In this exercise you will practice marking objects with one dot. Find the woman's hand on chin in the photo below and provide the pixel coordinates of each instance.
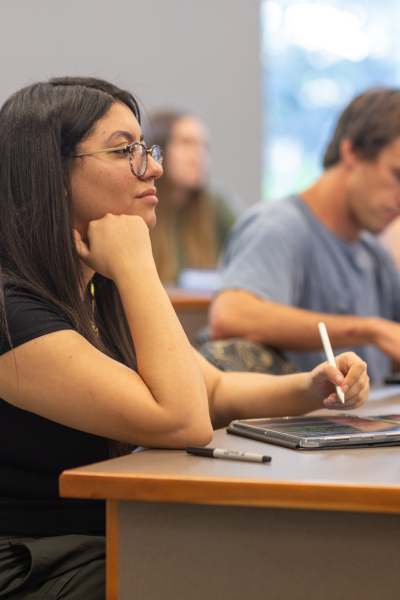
(115, 243)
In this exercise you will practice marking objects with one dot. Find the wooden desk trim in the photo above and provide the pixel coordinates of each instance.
(231, 492)
(186, 301)
(112, 554)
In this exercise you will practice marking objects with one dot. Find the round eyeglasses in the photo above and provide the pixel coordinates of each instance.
(137, 154)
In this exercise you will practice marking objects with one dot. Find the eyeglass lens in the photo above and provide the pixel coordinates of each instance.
(138, 158)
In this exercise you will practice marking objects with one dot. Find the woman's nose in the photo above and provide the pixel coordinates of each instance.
(154, 168)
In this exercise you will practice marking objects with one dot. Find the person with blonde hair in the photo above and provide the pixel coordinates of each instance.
(193, 222)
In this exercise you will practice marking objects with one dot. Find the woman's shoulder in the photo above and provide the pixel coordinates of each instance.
(20, 296)
(27, 314)
(224, 209)
(221, 201)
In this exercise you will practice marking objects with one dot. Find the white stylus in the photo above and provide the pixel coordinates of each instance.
(329, 355)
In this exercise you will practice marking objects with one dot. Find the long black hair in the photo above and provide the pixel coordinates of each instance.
(40, 127)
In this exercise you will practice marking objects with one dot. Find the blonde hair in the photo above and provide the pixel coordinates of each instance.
(196, 236)
(196, 217)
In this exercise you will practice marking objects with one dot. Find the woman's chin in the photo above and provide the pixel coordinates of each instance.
(148, 215)
(150, 219)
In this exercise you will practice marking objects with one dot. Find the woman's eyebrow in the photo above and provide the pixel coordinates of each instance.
(120, 133)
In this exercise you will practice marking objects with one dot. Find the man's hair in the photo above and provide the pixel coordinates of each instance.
(370, 122)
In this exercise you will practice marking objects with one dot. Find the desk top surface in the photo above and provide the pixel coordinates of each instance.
(365, 479)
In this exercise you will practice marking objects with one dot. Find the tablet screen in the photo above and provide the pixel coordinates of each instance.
(339, 424)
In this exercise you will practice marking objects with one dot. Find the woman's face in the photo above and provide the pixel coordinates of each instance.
(187, 154)
(103, 183)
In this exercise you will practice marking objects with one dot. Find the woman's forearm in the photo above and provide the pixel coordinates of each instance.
(252, 395)
(164, 356)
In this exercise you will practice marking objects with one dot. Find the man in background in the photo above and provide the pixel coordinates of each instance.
(315, 256)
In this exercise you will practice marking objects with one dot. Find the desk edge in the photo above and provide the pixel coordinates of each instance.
(232, 492)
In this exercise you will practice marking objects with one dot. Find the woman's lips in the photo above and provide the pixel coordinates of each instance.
(149, 195)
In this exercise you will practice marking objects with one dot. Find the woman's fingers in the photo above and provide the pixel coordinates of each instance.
(326, 376)
(333, 402)
(354, 370)
(355, 384)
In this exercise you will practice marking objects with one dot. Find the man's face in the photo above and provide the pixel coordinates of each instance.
(374, 190)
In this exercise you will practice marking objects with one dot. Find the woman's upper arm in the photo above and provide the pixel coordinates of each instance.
(62, 377)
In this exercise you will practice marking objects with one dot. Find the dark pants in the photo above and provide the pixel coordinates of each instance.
(67, 567)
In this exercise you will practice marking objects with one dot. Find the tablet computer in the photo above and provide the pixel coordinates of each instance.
(312, 433)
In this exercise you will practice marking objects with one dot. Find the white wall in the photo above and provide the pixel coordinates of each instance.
(203, 55)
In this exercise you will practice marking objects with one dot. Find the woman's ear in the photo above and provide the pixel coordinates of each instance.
(81, 246)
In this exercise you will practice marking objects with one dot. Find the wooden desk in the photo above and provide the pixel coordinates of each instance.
(311, 525)
(191, 308)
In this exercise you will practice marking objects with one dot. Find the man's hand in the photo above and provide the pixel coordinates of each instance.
(386, 335)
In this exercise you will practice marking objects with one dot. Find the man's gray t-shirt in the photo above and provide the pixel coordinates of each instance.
(281, 252)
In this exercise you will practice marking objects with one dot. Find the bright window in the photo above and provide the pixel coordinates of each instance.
(316, 56)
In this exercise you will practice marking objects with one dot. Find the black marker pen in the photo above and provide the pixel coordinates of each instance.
(229, 454)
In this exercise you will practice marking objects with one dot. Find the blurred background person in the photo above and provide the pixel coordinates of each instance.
(192, 221)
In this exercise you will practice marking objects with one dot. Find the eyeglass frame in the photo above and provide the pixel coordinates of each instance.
(128, 150)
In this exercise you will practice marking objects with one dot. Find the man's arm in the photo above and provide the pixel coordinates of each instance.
(242, 314)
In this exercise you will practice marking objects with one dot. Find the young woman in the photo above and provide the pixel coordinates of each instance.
(93, 357)
(193, 222)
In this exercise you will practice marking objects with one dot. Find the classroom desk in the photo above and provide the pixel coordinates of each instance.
(316, 525)
(191, 308)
